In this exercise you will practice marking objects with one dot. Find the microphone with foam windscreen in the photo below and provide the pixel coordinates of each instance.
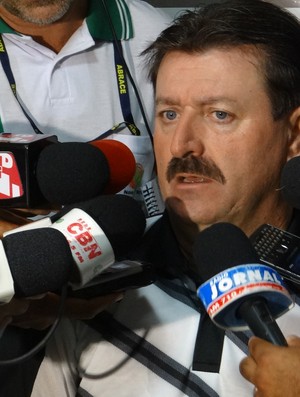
(70, 172)
(87, 237)
(18, 156)
(239, 292)
(100, 231)
(290, 182)
(122, 164)
(33, 174)
(34, 262)
(279, 248)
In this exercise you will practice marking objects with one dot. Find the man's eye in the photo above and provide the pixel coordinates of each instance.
(221, 115)
(170, 114)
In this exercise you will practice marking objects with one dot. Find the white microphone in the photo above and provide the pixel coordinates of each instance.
(80, 243)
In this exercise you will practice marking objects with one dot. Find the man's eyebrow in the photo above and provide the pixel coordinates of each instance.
(165, 101)
(207, 100)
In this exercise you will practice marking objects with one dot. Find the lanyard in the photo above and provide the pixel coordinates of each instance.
(4, 59)
(122, 90)
(120, 70)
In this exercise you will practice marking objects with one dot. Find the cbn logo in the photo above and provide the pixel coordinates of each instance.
(10, 181)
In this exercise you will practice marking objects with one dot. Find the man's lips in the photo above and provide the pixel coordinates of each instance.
(191, 169)
(191, 179)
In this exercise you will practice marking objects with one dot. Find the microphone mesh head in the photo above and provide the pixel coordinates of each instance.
(40, 260)
(121, 162)
(120, 217)
(220, 247)
(71, 171)
(290, 182)
(233, 275)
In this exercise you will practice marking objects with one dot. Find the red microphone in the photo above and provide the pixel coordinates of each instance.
(37, 169)
(121, 161)
(71, 172)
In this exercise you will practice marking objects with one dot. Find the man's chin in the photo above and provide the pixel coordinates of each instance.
(190, 212)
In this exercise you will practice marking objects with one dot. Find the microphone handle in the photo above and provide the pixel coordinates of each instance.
(257, 315)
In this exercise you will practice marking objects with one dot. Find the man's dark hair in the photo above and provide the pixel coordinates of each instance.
(271, 31)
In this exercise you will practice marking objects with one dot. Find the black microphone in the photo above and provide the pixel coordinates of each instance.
(33, 262)
(100, 231)
(290, 182)
(37, 170)
(239, 292)
(279, 248)
(84, 240)
(18, 156)
(70, 172)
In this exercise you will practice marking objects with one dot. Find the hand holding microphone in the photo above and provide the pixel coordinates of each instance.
(274, 370)
(43, 312)
(83, 240)
(36, 261)
(239, 292)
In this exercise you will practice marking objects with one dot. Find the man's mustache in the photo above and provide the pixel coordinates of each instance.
(194, 165)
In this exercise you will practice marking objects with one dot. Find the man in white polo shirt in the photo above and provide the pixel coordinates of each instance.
(62, 72)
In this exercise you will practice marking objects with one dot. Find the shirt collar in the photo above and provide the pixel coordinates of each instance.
(4, 28)
(98, 22)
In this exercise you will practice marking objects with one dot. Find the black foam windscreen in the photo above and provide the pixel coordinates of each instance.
(290, 182)
(218, 250)
(40, 260)
(71, 171)
(120, 217)
(220, 247)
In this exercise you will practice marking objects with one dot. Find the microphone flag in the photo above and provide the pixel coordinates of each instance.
(223, 294)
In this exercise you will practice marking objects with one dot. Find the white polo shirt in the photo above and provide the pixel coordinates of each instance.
(149, 353)
(74, 94)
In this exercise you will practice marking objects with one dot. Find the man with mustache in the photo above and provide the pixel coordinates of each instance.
(194, 165)
(227, 120)
(227, 93)
(58, 76)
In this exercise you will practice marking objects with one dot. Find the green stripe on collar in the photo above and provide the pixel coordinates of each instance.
(98, 21)
(4, 28)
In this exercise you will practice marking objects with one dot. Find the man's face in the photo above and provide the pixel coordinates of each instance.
(213, 106)
(41, 12)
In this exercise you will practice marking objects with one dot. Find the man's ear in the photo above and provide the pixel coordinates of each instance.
(294, 134)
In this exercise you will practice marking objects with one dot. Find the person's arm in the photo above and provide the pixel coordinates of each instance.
(16, 307)
(273, 370)
(40, 312)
